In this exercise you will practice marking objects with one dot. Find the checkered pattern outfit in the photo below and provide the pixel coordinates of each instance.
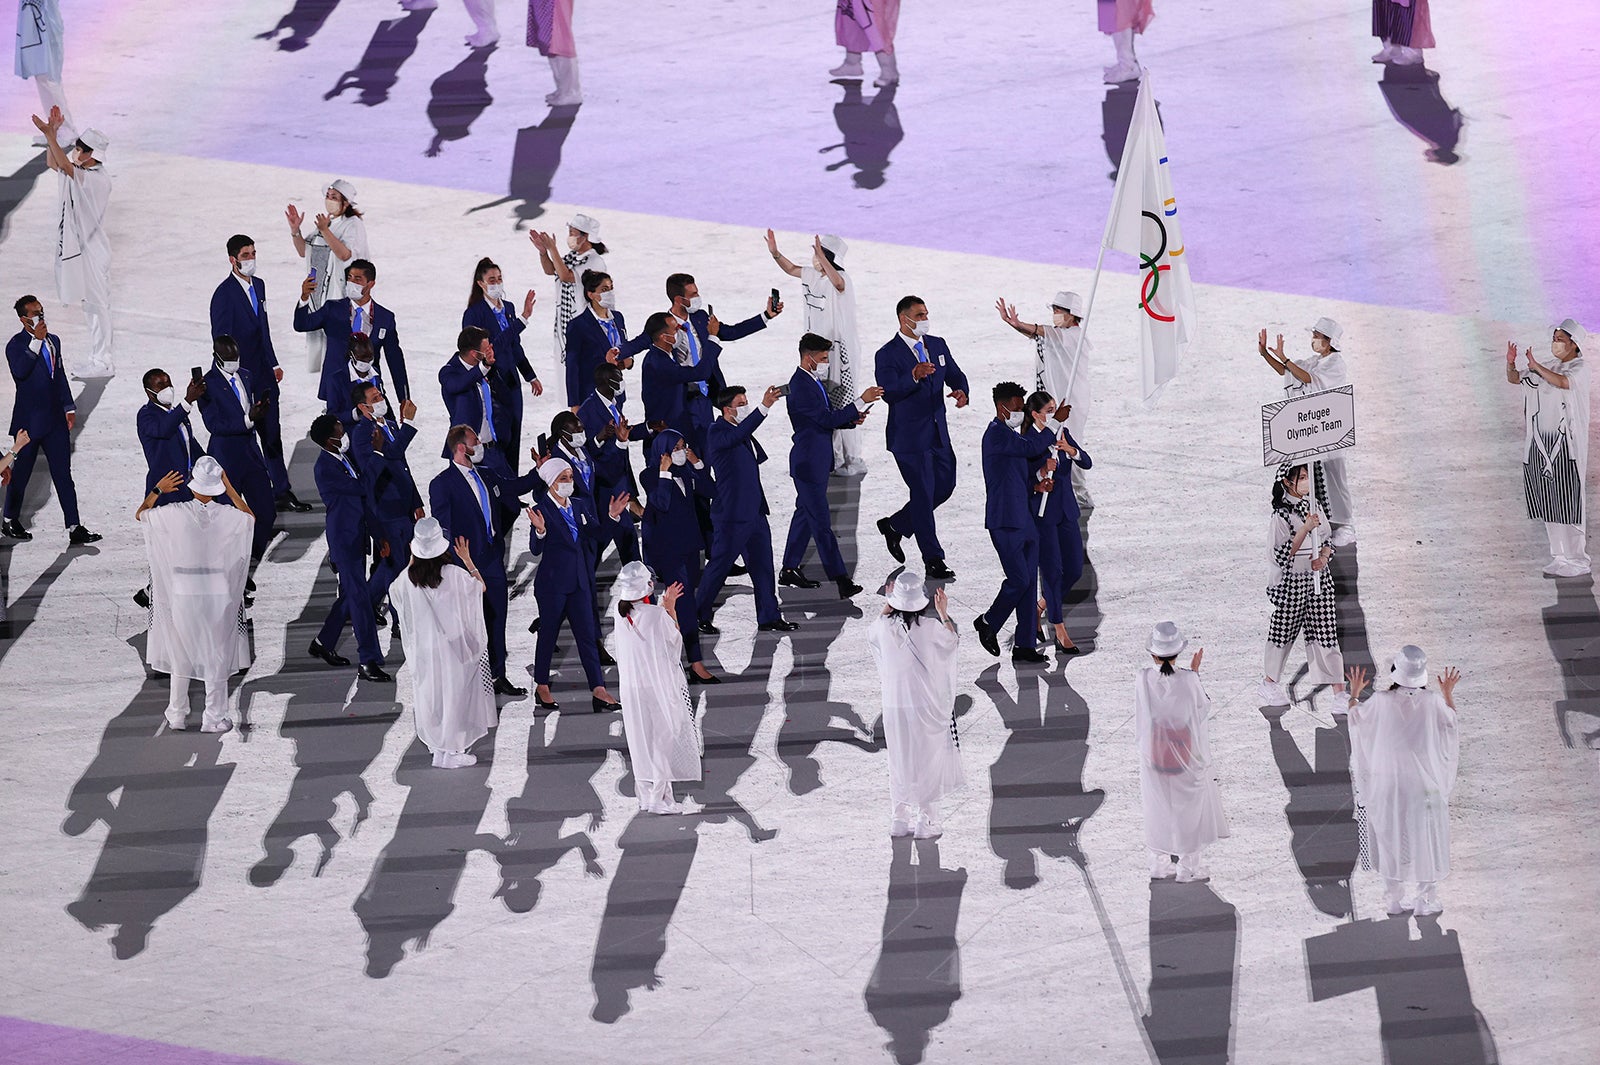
(1301, 600)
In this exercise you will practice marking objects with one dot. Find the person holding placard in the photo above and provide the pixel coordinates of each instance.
(1303, 377)
(1301, 591)
(1555, 463)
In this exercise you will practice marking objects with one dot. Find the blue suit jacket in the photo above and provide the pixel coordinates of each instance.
(567, 561)
(453, 503)
(231, 315)
(507, 340)
(43, 399)
(394, 491)
(814, 420)
(587, 344)
(1008, 460)
(615, 469)
(232, 442)
(671, 523)
(348, 499)
(333, 319)
(916, 419)
(1062, 504)
(463, 399)
(736, 459)
(664, 386)
(163, 444)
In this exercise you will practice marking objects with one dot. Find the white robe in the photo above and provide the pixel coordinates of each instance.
(447, 651)
(1182, 806)
(657, 718)
(831, 313)
(83, 251)
(1057, 352)
(917, 668)
(199, 561)
(1403, 747)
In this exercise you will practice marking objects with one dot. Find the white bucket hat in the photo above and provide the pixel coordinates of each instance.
(206, 477)
(345, 189)
(908, 592)
(427, 539)
(1166, 641)
(1070, 302)
(1579, 335)
(836, 245)
(634, 582)
(96, 141)
(1410, 667)
(1330, 329)
(589, 227)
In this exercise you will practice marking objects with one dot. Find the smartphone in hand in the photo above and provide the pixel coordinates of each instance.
(772, 302)
(195, 374)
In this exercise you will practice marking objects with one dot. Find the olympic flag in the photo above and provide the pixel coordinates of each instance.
(1144, 222)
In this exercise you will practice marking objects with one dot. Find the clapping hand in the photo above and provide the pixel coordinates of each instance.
(324, 224)
(1261, 342)
(296, 219)
(536, 518)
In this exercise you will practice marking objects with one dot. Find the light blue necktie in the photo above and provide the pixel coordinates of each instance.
(255, 307)
(483, 502)
(488, 405)
(351, 470)
(694, 354)
(355, 326)
(611, 332)
(922, 356)
(49, 363)
(572, 521)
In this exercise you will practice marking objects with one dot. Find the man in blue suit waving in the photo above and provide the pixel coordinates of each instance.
(340, 321)
(913, 370)
(165, 433)
(811, 461)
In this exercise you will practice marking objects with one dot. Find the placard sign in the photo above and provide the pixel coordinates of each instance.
(1308, 426)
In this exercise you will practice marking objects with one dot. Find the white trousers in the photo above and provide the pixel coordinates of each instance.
(216, 707)
(1567, 543)
(847, 445)
(654, 795)
(1341, 504)
(1326, 664)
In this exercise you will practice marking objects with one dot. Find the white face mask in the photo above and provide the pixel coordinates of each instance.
(564, 489)
(344, 444)
(167, 396)
(696, 304)
(229, 366)
(741, 413)
(476, 454)
(247, 267)
(1014, 420)
(34, 322)
(820, 371)
(920, 328)
(573, 240)
(380, 409)
(335, 207)
(1060, 319)
(577, 440)
(680, 458)
(495, 292)
(363, 369)
(608, 300)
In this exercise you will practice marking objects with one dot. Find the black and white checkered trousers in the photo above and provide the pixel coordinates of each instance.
(1298, 605)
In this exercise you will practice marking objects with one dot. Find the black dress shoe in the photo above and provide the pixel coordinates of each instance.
(781, 625)
(795, 578)
(1029, 655)
(695, 678)
(606, 659)
(379, 616)
(374, 672)
(847, 587)
(892, 540)
(737, 570)
(986, 635)
(12, 529)
(80, 536)
(287, 501)
(708, 629)
(249, 586)
(551, 705)
(142, 597)
(935, 569)
(316, 650)
(600, 706)
(505, 687)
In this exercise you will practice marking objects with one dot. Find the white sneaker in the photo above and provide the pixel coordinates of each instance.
(1121, 72)
(224, 725)
(928, 830)
(1568, 568)
(452, 760)
(1162, 868)
(899, 828)
(1428, 905)
(1394, 907)
(1553, 568)
(1343, 536)
(1193, 874)
(1271, 693)
(483, 39)
(853, 468)
(177, 722)
(1385, 56)
(564, 99)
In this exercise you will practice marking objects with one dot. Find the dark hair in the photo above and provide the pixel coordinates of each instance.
(1166, 664)
(358, 392)
(607, 371)
(656, 324)
(1280, 495)
(726, 397)
(82, 147)
(906, 303)
(485, 264)
(428, 572)
(906, 617)
(564, 424)
(593, 279)
(224, 345)
(22, 304)
(624, 608)
(1006, 391)
(238, 243)
(322, 427)
(362, 342)
(454, 439)
(1040, 400)
(363, 265)
(470, 339)
(677, 284)
(833, 262)
(149, 375)
(813, 344)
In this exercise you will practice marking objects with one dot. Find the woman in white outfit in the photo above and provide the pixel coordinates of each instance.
(657, 717)
(1403, 759)
(1061, 366)
(1555, 459)
(584, 252)
(440, 609)
(917, 667)
(338, 235)
(831, 314)
(1182, 806)
(1325, 369)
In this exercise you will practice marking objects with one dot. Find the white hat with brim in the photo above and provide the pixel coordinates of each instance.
(345, 189)
(428, 540)
(94, 140)
(1579, 335)
(836, 245)
(634, 582)
(1070, 302)
(908, 592)
(1330, 329)
(550, 469)
(1410, 667)
(589, 227)
(1166, 641)
(206, 477)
